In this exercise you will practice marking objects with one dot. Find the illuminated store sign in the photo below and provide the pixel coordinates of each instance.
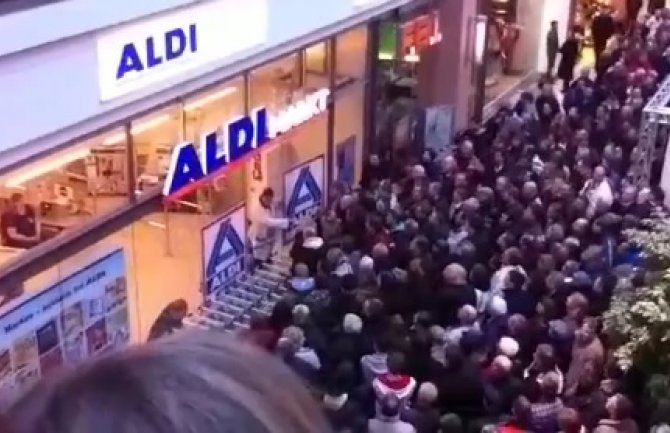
(139, 55)
(421, 32)
(240, 137)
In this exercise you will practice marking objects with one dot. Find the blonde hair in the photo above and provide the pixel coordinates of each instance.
(193, 381)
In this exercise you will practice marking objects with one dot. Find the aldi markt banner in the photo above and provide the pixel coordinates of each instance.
(81, 316)
(303, 193)
(224, 246)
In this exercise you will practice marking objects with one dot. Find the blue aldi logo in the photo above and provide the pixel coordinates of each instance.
(304, 193)
(225, 260)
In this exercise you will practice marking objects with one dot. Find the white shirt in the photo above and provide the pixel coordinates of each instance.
(601, 193)
(261, 231)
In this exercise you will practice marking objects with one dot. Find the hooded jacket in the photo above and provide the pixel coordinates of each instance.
(373, 365)
(401, 385)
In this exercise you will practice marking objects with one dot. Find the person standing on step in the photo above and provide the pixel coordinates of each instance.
(569, 56)
(553, 45)
(263, 227)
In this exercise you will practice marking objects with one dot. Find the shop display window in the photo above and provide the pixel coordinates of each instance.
(209, 113)
(62, 191)
(162, 263)
(351, 49)
(154, 136)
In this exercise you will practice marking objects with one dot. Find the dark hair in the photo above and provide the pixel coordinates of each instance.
(396, 363)
(389, 405)
(200, 381)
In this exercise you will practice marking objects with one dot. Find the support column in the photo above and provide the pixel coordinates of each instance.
(330, 143)
(445, 73)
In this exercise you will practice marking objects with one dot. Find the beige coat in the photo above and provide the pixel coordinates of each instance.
(262, 231)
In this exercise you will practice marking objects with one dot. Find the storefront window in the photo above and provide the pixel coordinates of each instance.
(62, 191)
(209, 113)
(508, 39)
(351, 48)
(316, 63)
(154, 136)
(277, 86)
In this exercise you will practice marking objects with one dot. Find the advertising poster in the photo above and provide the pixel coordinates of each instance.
(81, 316)
(303, 193)
(439, 128)
(224, 245)
(346, 160)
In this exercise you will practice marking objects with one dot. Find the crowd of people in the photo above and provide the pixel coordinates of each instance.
(458, 292)
(463, 291)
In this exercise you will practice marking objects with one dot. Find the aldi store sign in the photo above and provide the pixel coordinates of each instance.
(139, 55)
(238, 138)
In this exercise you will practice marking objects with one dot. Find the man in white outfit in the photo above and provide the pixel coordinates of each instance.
(262, 230)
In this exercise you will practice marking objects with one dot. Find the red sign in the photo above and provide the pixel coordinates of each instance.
(421, 32)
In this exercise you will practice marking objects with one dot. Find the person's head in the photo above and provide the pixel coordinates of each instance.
(544, 357)
(266, 198)
(301, 270)
(426, 394)
(517, 325)
(554, 25)
(389, 406)
(619, 407)
(196, 381)
(300, 314)
(508, 347)
(341, 379)
(529, 190)
(16, 200)
(576, 306)
(396, 363)
(373, 309)
(587, 331)
(176, 310)
(569, 421)
(294, 337)
(455, 274)
(451, 423)
(497, 307)
(467, 315)
(352, 324)
(599, 174)
(466, 149)
(501, 366)
(549, 385)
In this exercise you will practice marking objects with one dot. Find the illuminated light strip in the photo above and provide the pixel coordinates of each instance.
(206, 100)
(164, 118)
(45, 167)
(137, 129)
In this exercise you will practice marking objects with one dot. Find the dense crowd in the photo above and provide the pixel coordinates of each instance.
(449, 293)
(460, 291)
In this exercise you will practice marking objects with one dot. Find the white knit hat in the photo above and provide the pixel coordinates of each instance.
(367, 263)
(508, 347)
(497, 306)
(503, 362)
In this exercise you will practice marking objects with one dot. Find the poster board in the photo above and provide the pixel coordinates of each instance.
(439, 128)
(303, 193)
(79, 317)
(224, 244)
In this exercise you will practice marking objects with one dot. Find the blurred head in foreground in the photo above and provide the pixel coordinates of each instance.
(195, 382)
